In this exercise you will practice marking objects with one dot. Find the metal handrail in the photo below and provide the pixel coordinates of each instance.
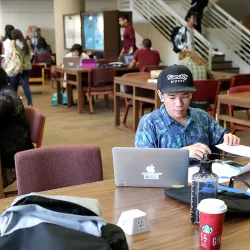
(164, 19)
(227, 29)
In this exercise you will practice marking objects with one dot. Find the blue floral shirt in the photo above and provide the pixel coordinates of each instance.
(159, 130)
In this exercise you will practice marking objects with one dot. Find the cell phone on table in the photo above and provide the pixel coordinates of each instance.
(234, 164)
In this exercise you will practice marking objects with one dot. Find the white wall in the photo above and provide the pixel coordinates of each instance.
(97, 5)
(145, 30)
(24, 13)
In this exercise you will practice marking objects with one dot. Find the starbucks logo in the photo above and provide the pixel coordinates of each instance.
(207, 229)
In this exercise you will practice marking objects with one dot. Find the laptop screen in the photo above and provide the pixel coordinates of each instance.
(128, 59)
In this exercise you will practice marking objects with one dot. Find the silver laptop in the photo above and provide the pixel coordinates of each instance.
(71, 62)
(150, 167)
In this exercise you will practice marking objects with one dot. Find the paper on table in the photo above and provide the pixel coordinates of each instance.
(222, 170)
(152, 80)
(237, 150)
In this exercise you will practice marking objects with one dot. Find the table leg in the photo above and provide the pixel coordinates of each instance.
(58, 88)
(136, 108)
(69, 95)
(117, 105)
(79, 92)
(221, 122)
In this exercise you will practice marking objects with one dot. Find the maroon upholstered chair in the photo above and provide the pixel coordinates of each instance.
(240, 79)
(100, 82)
(37, 74)
(36, 122)
(43, 58)
(153, 67)
(56, 167)
(237, 127)
(207, 91)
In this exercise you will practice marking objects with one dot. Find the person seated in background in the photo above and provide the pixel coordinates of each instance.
(196, 64)
(76, 50)
(145, 56)
(175, 124)
(199, 69)
(42, 47)
(14, 129)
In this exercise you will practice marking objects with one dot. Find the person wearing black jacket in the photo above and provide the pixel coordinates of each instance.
(198, 6)
(14, 129)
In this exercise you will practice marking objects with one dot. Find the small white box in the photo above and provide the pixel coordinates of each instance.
(134, 222)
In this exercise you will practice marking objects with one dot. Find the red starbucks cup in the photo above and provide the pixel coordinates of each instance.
(212, 213)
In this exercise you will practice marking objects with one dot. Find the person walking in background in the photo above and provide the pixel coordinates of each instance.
(145, 56)
(42, 47)
(198, 6)
(14, 129)
(185, 36)
(6, 42)
(128, 46)
(23, 77)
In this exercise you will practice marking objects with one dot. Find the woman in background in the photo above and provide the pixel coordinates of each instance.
(6, 42)
(14, 129)
(42, 47)
(23, 77)
(76, 50)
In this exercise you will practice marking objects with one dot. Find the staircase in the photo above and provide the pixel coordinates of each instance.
(226, 34)
(163, 18)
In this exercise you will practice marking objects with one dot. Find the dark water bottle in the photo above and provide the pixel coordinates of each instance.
(204, 185)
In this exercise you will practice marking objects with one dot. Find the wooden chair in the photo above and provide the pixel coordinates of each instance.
(100, 82)
(129, 102)
(36, 123)
(207, 91)
(237, 127)
(37, 74)
(240, 79)
(46, 59)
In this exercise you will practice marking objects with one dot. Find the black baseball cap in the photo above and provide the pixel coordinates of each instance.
(176, 78)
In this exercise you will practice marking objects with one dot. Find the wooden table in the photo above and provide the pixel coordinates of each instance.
(171, 226)
(139, 82)
(237, 99)
(74, 77)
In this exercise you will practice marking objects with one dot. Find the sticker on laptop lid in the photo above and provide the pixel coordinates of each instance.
(151, 174)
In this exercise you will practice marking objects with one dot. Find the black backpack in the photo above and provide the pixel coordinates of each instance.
(174, 32)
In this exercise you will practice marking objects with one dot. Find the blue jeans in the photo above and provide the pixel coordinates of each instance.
(24, 80)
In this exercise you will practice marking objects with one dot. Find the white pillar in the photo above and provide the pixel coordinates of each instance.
(63, 7)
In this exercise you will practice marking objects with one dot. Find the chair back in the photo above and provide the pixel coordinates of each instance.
(238, 89)
(43, 58)
(36, 122)
(240, 79)
(153, 67)
(207, 90)
(102, 75)
(56, 167)
(36, 71)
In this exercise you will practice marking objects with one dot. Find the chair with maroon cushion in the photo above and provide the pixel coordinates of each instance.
(100, 82)
(56, 167)
(234, 126)
(37, 74)
(207, 92)
(36, 122)
(240, 79)
(46, 59)
(153, 67)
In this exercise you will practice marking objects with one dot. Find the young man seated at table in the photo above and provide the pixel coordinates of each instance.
(145, 56)
(175, 124)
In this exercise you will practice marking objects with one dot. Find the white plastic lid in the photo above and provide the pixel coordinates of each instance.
(212, 206)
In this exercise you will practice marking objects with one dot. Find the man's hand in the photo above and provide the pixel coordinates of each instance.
(198, 150)
(231, 140)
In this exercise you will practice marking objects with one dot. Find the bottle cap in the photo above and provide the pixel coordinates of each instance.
(212, 206)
